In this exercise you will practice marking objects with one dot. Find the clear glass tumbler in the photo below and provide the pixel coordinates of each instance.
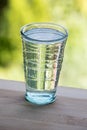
(43, 51)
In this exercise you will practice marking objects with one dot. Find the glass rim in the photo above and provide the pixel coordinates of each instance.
(44, 23)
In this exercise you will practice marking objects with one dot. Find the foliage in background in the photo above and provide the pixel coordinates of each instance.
(72, 14)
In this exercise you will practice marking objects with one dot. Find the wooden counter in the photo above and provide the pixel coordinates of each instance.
(68, 112)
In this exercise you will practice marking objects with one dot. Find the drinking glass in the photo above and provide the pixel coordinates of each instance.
(43, 51)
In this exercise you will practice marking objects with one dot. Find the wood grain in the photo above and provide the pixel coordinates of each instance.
(65, 114)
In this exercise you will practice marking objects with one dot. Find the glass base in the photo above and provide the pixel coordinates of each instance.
(40, 98)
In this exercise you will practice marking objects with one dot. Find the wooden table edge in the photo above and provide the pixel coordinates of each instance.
(61, 90)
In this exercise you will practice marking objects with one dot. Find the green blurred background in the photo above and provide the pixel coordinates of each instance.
(72, 14)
